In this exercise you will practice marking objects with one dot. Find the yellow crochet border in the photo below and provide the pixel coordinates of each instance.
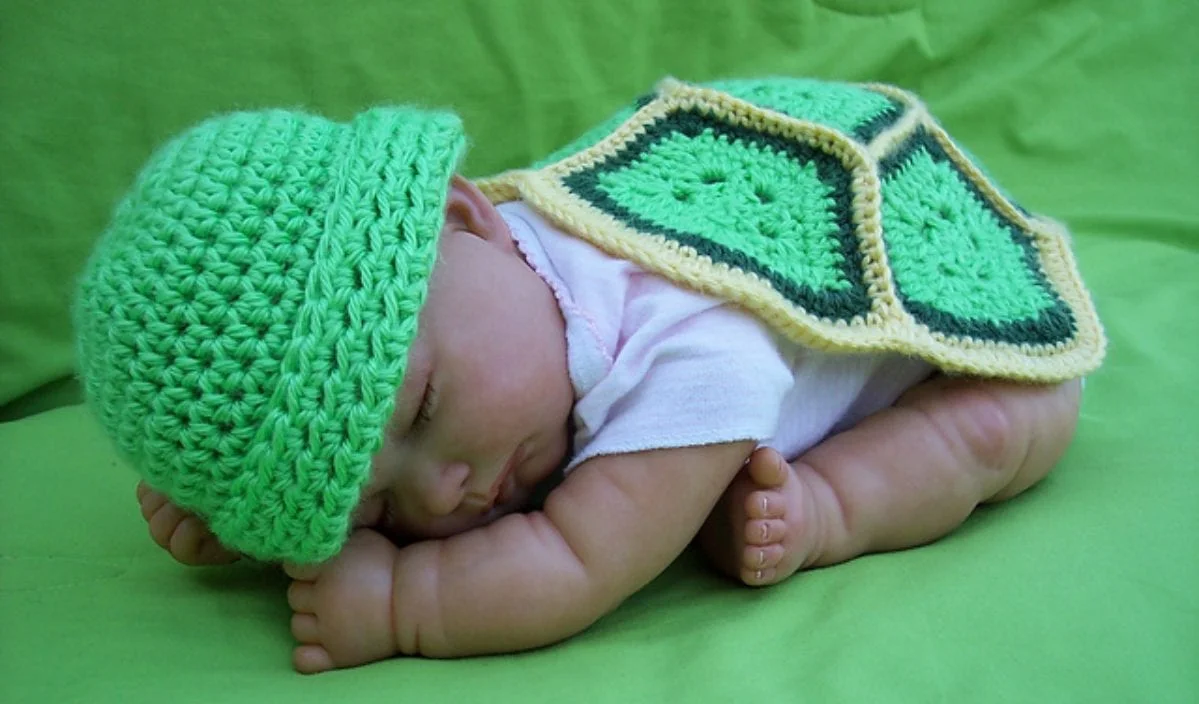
(887, 326)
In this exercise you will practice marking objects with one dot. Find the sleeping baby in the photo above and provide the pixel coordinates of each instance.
(787, 319)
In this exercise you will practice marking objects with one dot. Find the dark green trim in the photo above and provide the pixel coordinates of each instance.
(837, 305)
(1054, 325)
(871, 128)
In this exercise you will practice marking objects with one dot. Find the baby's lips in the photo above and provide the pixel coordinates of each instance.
(505, 483)
(506, 490)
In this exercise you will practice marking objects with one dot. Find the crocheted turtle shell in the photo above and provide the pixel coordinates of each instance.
(842, 214)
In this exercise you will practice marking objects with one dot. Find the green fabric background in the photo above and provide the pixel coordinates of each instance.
(1082, 590)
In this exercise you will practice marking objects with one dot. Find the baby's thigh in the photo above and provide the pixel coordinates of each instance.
(1014, 428)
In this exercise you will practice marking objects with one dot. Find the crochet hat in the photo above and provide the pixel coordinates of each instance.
(244, 322)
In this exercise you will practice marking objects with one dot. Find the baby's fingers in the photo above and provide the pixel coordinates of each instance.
(311, 659)
(303, 573)
(149, 500)
(193, 544)
(163, 522)
(182, 534)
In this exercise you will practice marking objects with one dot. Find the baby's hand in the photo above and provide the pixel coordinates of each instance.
(343, 607)
(180, 533)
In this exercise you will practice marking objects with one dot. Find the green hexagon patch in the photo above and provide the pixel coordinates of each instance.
(780, 209)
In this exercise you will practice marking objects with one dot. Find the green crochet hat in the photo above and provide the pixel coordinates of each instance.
(244, 322)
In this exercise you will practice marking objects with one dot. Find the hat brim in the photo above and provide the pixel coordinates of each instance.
(349, 348)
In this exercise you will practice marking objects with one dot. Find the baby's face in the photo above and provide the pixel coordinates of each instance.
(483, 414)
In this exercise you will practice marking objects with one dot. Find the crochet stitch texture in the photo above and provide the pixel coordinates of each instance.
(841, 214)
(244, 322)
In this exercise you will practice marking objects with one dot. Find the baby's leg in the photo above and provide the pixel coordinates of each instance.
(903, 477)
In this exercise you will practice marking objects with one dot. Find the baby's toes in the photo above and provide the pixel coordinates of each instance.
(764, 505)
(759, 578)
(760, 557)
(767, 468)
(310, 659)
(765, 531)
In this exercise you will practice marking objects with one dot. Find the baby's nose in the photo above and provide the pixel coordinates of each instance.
(448, 489)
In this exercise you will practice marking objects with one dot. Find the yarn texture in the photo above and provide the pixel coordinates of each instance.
(841, 214)
(244, 322)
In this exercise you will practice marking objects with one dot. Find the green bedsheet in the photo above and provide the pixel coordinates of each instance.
(1082, 590)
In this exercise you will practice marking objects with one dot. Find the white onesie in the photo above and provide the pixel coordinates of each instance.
(655, 365)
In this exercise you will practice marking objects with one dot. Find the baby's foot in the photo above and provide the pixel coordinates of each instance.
(766, 524)
(343, 607)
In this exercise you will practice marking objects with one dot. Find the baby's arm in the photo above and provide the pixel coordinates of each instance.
(526, 580)
(184, 535)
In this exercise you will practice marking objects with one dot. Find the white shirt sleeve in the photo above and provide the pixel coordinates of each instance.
(689, 371)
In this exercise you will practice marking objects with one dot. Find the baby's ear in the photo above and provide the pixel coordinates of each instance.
(468, 208)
